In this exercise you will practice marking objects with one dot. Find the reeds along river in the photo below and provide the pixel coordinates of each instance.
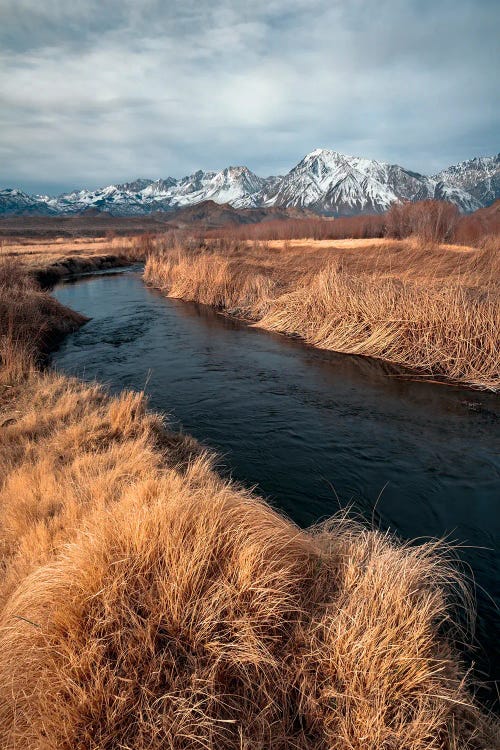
(313, 431)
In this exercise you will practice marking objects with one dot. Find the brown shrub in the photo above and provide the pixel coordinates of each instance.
(480, 227)
(317, 228)
(431, 221)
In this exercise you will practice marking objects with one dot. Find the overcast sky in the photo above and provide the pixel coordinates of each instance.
(99, 91)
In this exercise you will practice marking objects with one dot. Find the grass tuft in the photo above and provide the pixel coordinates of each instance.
(432, 309)
(147, 603)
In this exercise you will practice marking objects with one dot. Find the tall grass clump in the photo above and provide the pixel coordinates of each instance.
(146, 603)
(428, 308)
(210, 279)
(445, 331)
(30, 320)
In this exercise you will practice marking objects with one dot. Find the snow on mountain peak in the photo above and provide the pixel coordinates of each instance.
(478, 177)
(325, 180)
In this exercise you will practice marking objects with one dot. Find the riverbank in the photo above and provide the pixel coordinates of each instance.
(146, 602)
(432, 309)
(52, 260)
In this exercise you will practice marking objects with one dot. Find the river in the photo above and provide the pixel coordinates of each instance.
(312, 431)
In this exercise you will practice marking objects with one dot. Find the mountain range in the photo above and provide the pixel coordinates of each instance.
(324, 181)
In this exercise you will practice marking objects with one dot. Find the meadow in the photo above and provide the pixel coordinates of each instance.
(147, 602)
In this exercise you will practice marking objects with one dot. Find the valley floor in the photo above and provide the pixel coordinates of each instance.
(145, 602)
(41, 252)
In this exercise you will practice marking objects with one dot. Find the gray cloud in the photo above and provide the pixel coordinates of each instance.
(96, 92)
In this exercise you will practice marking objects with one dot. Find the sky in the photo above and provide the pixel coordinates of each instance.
(94, 92)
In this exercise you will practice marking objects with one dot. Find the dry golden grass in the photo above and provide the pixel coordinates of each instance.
(50, 260)
(369, 243)
(30, 320)
(448, 331)
(433, 309)
(40, 253)
(145, 603)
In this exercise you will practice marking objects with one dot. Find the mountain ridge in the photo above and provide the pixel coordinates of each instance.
(325, 181)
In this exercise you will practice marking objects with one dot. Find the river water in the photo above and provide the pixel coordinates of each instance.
(313, 431)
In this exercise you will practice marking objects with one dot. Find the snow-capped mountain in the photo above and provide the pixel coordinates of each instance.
(333, 183)
(17, 202)
(112, 199)
(232, 185)
(465, 201)
(330, 182)
(480, 177)
(137, 185)
(324, 181)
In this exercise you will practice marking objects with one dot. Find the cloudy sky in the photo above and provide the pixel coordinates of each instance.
(100, 91)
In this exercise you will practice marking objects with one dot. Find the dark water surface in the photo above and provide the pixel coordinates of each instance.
(314, 431)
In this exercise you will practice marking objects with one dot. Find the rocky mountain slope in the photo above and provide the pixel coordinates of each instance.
(324, 181)
(13, 201)
(480, 177)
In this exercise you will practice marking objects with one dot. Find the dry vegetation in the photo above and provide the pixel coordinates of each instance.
(437, 221)
(146, 604)
(39, 254)
(30, 320)
(434, 309)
